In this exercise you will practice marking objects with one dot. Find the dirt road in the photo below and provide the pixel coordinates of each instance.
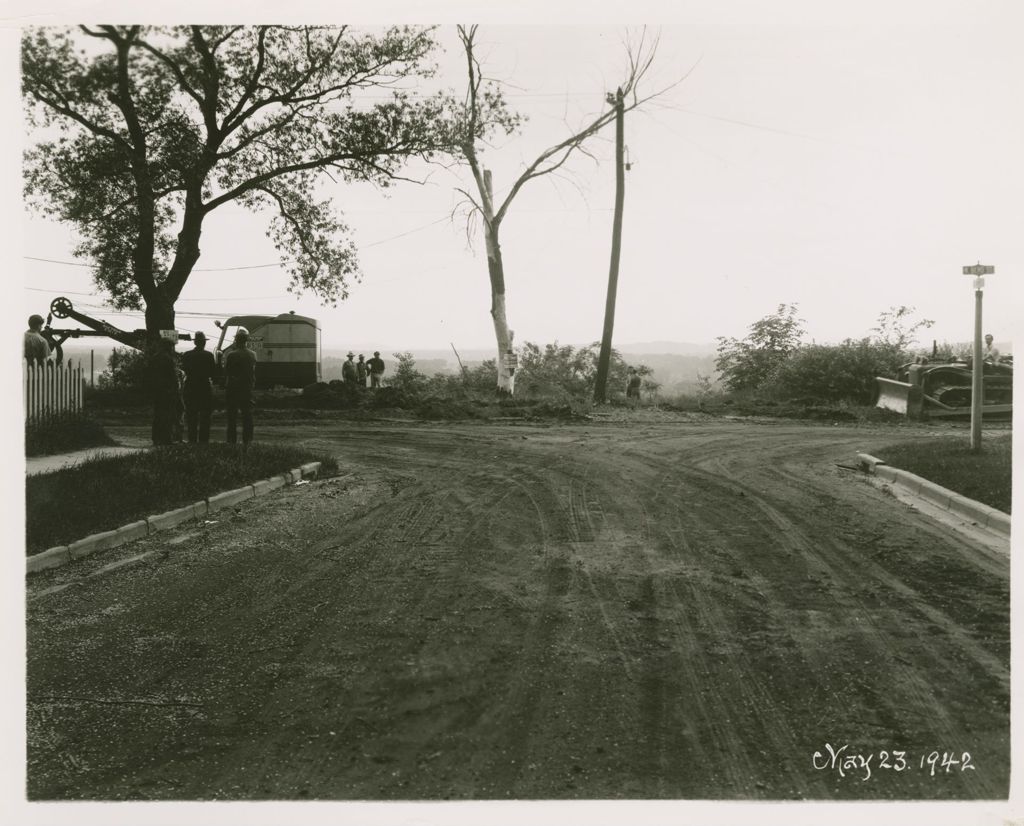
(681, 610)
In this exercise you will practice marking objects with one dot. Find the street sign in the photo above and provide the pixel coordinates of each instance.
(979, 269)
(170, 335)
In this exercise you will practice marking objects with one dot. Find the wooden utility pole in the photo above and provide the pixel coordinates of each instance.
(604, 358)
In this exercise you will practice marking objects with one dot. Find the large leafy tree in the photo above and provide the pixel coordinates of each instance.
(146, 130)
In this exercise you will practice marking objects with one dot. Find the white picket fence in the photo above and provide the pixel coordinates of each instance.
(51, 392)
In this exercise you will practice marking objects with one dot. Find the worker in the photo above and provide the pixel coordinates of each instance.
(991, 354)
(240, 379)
(376, 365)
(199, 366)
(36, 348)
(349, 374)
(361, 372)
(633, 386)
(163, 386)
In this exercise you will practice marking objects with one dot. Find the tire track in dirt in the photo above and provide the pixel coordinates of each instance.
(668, 742)
(786, 535)
(744, 697)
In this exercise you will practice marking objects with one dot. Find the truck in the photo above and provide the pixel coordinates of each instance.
(287, 347)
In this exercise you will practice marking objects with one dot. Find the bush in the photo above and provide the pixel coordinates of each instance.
(126, 368)
(564, 373)
(753, 362)
(836, 373)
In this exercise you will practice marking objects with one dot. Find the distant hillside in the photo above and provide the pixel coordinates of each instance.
(675, 348)
(676, 365)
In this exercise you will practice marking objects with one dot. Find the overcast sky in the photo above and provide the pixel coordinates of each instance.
(842, 162)
(844, 156)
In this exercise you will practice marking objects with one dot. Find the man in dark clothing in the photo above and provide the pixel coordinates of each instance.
(633, 386)
(36, 349)
(163, 385)
(376, 365)
(240, 375)
(199, 367)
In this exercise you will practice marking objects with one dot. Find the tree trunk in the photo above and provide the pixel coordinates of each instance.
(496, 271)
(159, 316)
(503, 336)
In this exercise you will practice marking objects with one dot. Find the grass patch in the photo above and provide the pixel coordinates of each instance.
(64, 437)
(106, 493)
(947, 461)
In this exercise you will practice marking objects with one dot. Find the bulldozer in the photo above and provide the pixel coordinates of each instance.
(933, 389)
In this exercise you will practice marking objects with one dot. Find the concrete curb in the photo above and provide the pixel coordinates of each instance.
(63, 554)
(983, 515)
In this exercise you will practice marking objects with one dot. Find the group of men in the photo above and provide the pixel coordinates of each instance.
(356, 372)
(190, 391)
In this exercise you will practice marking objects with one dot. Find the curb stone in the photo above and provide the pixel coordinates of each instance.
(162, 521)
(51, 558)
(985, 515)
(93, 543)
(230, 497)
(63, 554)
(267, 485)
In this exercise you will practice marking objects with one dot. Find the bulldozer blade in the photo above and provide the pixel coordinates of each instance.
(899, 396)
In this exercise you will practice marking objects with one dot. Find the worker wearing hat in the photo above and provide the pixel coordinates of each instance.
(376, 365)
(199, 367)
(349, 374)
(240, 379)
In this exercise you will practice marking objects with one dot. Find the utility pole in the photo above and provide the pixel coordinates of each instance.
(604, 358)
(979, 271)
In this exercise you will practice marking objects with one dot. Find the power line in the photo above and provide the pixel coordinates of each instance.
(248, 266)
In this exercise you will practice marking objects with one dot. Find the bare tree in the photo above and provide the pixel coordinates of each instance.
(485, 112)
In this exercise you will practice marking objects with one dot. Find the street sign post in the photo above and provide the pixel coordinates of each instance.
(979, 271)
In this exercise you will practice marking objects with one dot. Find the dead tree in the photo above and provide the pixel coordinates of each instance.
(485, 112)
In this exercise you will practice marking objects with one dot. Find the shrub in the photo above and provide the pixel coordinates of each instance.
(562, 372)
(126, 368)
(836, 373)
(753, 362)
(406, 377)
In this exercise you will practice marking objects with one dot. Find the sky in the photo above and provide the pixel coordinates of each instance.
(845, 163)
